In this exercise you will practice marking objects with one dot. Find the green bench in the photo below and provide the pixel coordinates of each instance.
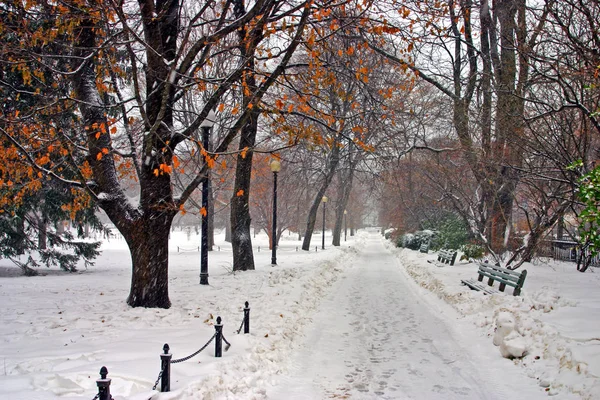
(447, 256)
(494, 273)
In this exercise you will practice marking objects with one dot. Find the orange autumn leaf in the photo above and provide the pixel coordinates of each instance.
(99, 156)
(203, 212)
(240, 193)
(210, 161)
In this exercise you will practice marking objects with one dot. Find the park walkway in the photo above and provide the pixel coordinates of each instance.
(375, 337)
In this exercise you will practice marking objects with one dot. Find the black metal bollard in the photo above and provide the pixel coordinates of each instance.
(247, 318)
(165, 367)
(103, 385)
(218, 338)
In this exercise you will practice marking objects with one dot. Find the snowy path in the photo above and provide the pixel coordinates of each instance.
(376, 336)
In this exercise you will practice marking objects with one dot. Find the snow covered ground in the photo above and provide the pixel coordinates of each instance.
(58, 330)
(558, 315)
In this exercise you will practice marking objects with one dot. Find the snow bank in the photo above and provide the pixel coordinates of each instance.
(552, 330)
(59, 329)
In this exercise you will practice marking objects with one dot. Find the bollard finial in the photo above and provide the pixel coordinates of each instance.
(103, 372)
(247, 304)
(218, 320)
(166, 348)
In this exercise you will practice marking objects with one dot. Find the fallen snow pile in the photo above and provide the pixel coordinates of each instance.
(507, 336)
(295, 293)
(552, 330)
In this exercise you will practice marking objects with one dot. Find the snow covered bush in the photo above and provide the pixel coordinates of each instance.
(451, 232)
(471, 251)
(589, 194)
(414, 240)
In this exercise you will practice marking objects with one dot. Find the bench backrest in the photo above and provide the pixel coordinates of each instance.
(447, 256)
(502, 275)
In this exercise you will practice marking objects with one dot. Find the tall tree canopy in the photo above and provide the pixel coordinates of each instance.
(123, 69)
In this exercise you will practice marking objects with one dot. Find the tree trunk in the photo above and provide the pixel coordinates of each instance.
(241, 240)
(42, 232)
(148, 242)
(541, 226)
(228, 230)
(342, 203)
(509, 114)
(312, 214)
(249, 37)
(312, 219)
(21, 236)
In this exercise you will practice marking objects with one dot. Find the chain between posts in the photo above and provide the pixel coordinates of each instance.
(192, 355)
(157, 380)
(164, 374)
(226, 342)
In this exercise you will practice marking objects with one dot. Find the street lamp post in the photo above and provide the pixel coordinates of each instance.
(206, 126)
(345, 225)
(324, 200)
(275, 167)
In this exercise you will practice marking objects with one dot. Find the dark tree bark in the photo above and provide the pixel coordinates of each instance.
(21, 235)
(346, 184)
(228, 231)
(148, 241)
(241, 239)
(42, 233)
(334, 159)
(146, 229)
(249, 38)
